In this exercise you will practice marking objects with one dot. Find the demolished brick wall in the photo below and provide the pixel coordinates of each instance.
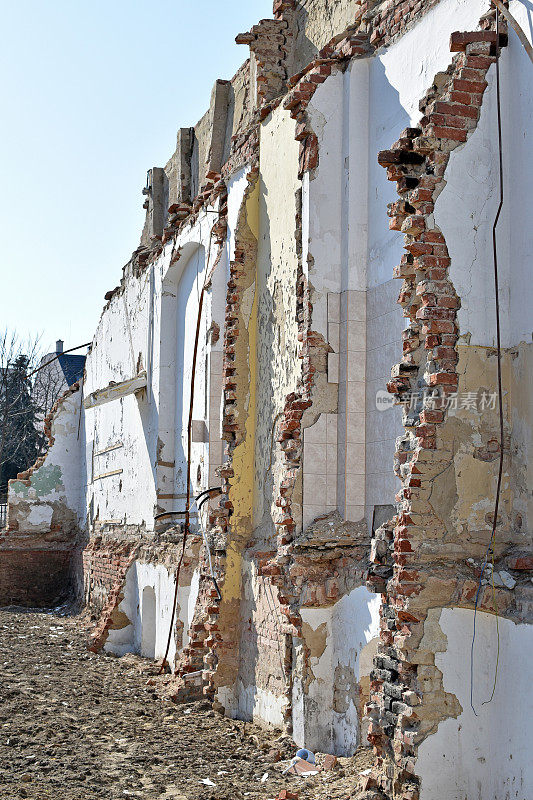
(421, 561)
(41, 544)
(408, 694)
(222, 662)
(377, 21)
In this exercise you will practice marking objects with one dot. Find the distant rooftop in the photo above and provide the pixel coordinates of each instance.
(72, 367)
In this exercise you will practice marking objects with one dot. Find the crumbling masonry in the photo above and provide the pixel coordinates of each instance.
(327, 585)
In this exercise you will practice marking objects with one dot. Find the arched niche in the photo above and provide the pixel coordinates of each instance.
(181, 290)
(148, 622)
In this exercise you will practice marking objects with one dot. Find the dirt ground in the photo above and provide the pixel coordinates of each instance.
(78, 726)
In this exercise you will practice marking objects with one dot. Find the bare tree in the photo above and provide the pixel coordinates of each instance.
(49, 383)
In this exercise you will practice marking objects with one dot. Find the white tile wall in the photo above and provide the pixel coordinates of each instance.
(351, 418)
(320, 468)
(385, 323)
(348, 456)
(333, 367)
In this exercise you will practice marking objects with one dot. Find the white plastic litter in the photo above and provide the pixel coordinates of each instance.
(301, 767)
(306, 754)
(291, 764)
(264, 778)
(207, 782)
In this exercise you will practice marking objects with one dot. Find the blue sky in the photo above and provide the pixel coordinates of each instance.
(92, 94)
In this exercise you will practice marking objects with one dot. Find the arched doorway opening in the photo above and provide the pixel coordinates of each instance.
(179, 310)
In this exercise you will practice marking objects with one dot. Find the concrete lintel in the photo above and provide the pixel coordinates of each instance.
(114, 391)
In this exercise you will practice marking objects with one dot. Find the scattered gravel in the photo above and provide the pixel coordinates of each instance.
(78, 726)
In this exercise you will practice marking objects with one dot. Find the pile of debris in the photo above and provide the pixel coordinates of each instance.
(82, 726)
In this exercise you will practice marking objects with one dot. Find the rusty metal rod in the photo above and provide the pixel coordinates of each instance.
(514, 24)
(70, 350)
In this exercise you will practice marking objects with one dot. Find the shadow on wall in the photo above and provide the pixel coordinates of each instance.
(141, 621)
(328, 698)
(187, 313)
(332, 681)
(266, 367)
(179, 304)
(387, 119)
(385, 322)
(38, 578)
(76, 577)
(303, 45)
(148, 622)
(262, 680)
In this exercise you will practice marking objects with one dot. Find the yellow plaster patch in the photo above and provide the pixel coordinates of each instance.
(242, 487)
(252, 210)
(315, 640)
(119, 620)
(470, 432)
(278, 365)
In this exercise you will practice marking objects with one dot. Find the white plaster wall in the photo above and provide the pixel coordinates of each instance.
(412, 62)
(335, 198)
(466, 208)
(59, 481)
(518, 133)
(189, 284)
(116, 498)
(259, 704)
(335, 227)
(362, 323)
(387, 118)
(236, 187)
(356, 114)
(320, 468)
(488, 756)
(175, 330)
(356, 132)
(464, 211)
(129, 424)
(322, 198)
(399, 78)
(277, 347)
(385, 323)
(151, 325)
(139, 576)
(175, 317)
(351, 624)
(151, 428)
